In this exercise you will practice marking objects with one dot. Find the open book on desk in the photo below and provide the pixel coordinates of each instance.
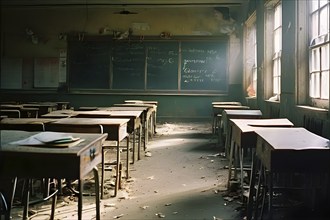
(50, 139)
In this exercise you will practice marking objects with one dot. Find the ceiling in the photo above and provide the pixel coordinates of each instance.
(125, 3)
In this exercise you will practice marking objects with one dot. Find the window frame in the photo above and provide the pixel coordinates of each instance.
(317, 41)
(250, 55)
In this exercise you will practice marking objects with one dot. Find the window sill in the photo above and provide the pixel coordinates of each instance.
(311, 108)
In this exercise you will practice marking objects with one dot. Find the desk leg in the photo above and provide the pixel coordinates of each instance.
(139, 144)
(155, 122)
(133, 156)
(97, 193)
(146, 136)
(144, 131)
(80, 198)
(270, 199)
(251, 195)
(127, 155)
(26, 197)
(231, 155)
(241, 156)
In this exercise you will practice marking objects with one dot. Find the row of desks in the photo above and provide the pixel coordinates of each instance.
(117, 121)
(275, 146)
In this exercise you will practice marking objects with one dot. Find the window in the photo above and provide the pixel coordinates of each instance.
(277, 49)
(250, 56)
(319, 51)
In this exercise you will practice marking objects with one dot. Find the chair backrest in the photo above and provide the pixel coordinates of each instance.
(74, 128)
(23, 127)
(10, 113)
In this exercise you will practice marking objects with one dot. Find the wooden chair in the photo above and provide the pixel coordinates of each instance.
(10, 113)
(7, 192)
(23, 127)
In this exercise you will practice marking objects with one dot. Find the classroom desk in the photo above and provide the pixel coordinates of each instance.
(145, 117)
(151, 115)
(244, 137)
(44, 107)
(26, 124)
(304, 152)
(24, 111)
(117, 131)
(147, 102)
(226, 103)
(62, 105)
(133, 124)
(134, 116)
(217, 113)
(42, 162)
(65, 113)
(228, 114)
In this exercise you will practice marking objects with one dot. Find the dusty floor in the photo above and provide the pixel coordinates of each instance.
(182, 176)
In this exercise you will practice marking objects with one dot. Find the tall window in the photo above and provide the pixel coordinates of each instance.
(250, 56)
(277, 48)
(319, 50)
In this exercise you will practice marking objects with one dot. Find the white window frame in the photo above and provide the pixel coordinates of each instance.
(319, 53)
(277, 48)
(250, 56)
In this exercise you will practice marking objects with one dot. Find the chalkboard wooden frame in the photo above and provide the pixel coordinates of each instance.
(155, 66)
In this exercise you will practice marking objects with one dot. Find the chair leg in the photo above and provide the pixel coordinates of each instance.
(102, 174)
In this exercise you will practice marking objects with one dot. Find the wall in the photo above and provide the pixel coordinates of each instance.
(52, 25)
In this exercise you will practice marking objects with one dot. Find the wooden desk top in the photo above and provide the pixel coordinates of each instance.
(40, 104)
(101, 121)
(230, 107)
(241, 112)
(219, 108)
(11, 106)
(134, 113)
(124, 108)
(26, 120)
(31, 161)
(226, 103)
(293, 139)
(115, 127)
(142, 101)
(149, 106)
(292, 150)
(251, 125)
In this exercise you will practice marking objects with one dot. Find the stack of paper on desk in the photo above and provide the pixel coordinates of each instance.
(50, 139)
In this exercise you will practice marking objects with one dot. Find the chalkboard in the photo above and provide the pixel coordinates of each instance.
(128, 65)
(162, 65)
(89, 65)
(204, 66)
(173, 65)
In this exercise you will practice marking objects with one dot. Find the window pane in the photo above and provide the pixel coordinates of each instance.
(315, 26)
(325, 85)
(323, 2)
(314, 4)
(315, 60)
(277, 40)
(278, 16)
(324, 21)
(325, 59)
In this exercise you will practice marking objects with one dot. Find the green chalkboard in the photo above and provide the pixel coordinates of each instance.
(172, 65)
(89, 64)
(128, 65)
(204, 66)
(162, 65)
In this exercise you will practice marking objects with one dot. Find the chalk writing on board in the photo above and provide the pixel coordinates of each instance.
(162, 65)
(203, 66)
(128, 65)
